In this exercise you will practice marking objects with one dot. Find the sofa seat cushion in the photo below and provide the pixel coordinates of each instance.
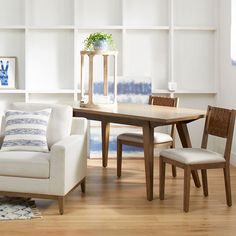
(24, 164)
(191, 156)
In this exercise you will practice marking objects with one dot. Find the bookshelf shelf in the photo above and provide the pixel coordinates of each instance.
(154, 38)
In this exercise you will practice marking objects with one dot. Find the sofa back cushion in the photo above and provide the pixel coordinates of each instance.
(59, 125)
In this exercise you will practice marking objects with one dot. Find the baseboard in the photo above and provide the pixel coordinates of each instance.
(233, 159)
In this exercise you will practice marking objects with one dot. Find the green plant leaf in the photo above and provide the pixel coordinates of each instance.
(92, 38)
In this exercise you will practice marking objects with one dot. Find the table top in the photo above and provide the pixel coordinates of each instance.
(142, 112)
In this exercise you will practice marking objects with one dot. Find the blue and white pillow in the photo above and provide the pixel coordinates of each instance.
(26, 131)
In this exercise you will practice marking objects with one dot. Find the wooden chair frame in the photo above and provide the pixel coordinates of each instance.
(219, 122)
(153, 100)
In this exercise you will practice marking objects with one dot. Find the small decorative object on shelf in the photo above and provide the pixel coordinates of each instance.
(98, 93)
(99, 41)
(7, 72)
(172, 86)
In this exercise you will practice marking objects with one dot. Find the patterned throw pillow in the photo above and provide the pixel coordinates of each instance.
(26, 131)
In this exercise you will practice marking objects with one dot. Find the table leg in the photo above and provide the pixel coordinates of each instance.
(186, 143)
(148, 158)
(105, 142)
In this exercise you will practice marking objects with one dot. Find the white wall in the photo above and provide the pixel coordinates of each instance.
(227, 88)
(32, 28)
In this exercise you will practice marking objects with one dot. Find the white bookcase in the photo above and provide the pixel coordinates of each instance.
(169, 40)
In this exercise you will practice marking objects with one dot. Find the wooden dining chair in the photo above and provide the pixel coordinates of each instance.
(160, 139)
(219, 122)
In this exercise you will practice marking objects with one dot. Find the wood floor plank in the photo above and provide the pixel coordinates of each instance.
(113, 206)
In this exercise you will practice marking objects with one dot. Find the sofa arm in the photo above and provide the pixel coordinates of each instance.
(68, 163)
(79, 125)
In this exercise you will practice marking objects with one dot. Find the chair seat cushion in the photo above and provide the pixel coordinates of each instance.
(24, 164)
(192, 155)
(137, 137)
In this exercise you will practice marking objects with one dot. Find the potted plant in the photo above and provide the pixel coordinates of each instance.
(99, 41)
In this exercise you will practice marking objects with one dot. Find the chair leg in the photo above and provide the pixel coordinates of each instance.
(204, 182)
(162, 178)
(83, 185)
(174, 174)
(187, 173)
(61, 202)
(227, 186)
(196, 178)
(119, 158)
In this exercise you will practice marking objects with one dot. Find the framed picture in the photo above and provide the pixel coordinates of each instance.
(7, 72)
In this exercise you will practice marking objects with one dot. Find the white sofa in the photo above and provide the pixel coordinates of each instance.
(48, 175)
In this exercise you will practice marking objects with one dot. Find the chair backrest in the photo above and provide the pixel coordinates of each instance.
(219, 122)
(163, 101)
(168, 102)
(60, 120)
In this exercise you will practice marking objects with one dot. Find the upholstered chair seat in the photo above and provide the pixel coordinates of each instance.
(138, 137)
(193, 155)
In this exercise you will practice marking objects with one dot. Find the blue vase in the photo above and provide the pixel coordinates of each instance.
(100, 45)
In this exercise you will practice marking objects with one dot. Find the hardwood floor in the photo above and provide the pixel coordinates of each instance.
(114, 206)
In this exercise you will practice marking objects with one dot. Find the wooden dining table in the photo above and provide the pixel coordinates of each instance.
(148, 117)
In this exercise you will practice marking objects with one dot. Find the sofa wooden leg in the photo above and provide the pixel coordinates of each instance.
(83, 185)
(61, 202)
